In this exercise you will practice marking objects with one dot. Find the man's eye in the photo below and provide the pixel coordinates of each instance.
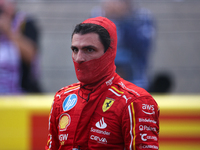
(74, 50)
(90, 49)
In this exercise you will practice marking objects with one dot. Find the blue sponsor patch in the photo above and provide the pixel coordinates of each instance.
(69, 102)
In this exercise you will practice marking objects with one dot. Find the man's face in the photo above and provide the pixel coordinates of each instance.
(86, 47)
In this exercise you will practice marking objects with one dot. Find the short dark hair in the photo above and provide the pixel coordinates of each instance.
(84, 28)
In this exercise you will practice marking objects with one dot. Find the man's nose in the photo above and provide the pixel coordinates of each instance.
(80, 57)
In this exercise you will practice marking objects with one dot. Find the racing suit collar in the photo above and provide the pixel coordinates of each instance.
(85, 91)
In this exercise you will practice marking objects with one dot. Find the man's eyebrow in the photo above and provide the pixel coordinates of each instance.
(89, 46)
(84, 47)
(72, 47)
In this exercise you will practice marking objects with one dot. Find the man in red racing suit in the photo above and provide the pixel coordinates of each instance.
(103, 111)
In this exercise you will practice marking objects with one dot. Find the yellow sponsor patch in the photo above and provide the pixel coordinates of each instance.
(107, 104)
(64, 121)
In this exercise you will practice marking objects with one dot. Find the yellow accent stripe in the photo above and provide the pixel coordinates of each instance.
(72, 88)
(48, 143)
(117, 90)
(134, 136)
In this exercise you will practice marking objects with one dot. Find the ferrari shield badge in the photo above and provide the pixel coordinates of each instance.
(107, 104)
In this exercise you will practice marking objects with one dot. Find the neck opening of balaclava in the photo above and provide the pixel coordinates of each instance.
(99, 70)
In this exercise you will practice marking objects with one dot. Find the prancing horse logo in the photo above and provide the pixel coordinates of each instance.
(107, 104)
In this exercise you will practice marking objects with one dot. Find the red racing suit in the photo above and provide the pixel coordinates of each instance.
(103, 111)
(118, 116)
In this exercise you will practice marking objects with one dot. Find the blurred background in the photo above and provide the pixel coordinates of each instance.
(175, 50)
(173, 63)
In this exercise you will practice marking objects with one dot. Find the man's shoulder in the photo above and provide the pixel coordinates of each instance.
(132, 96)
(65, 91)
(131, 89)
(123, 94)
(130, 92)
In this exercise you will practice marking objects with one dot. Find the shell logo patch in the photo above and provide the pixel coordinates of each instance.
(69, 102)
(64, 121)
(107, 104)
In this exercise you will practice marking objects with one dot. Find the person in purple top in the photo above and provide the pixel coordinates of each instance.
(18, 50)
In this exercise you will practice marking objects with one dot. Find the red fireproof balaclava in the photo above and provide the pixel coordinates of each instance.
(101, 69)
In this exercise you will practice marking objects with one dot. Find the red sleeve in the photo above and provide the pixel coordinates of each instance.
(53, 142)
(140, 124)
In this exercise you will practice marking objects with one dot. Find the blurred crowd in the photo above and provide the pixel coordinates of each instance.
(136, 32)
(19, 45)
